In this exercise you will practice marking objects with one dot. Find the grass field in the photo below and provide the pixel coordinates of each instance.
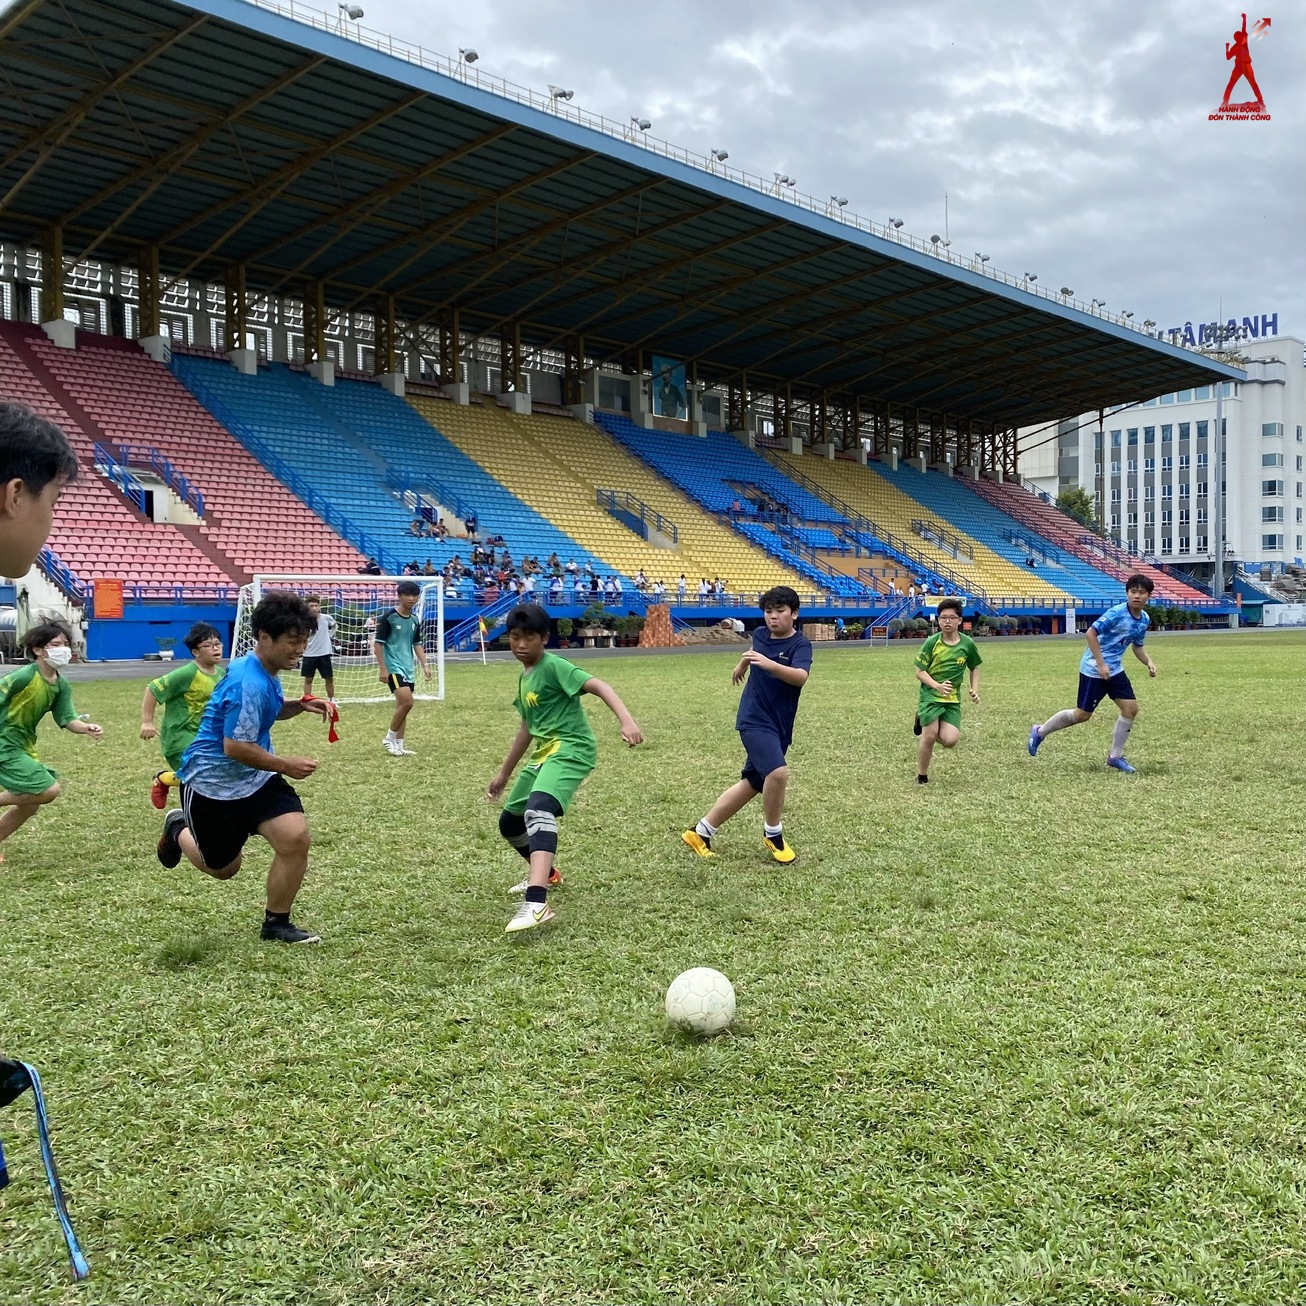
(1032, 1033)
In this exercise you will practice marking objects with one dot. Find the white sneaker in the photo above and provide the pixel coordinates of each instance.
(401, 751)
(393, 748)
(530, 915)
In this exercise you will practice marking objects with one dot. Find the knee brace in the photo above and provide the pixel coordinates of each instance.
(542, 812)
(512, 825)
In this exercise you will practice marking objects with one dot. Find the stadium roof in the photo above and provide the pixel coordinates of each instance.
(224, 133)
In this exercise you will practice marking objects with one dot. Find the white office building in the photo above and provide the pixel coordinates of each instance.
(1150, 467)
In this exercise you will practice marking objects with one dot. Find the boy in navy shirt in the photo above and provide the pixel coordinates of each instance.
(780, 660)
(1102, 675)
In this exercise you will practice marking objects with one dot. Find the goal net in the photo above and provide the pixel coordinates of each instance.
(357, 603)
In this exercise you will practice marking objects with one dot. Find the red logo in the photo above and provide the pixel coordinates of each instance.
(1240, 52)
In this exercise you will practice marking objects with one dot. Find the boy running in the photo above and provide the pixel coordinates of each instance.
(185, 692)
(940, 667)
(564, 753)
(317, 653)
(398, 639)
(234, 786)
(25, 697)
(1101, 672)
(781, 661)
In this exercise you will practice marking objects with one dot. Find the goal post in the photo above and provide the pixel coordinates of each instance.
(357, 603)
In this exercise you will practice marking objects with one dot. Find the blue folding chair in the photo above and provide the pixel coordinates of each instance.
(15, 1078)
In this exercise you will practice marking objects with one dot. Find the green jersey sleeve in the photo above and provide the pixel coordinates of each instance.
(926, 655)
(173, 684)
(62, 708)
(571, 679)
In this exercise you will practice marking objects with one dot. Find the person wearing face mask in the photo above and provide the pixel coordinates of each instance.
(25, 697)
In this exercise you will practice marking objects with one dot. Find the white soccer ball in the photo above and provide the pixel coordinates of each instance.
(701, 1001)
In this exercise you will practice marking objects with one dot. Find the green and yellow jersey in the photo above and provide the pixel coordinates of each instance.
(946, 663)
(548, 701)
(185, 693)
(25, 697)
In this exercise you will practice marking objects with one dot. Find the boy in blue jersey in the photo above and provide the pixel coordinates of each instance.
(1101, 672)
(398, 640)
(780, 661)
(233, 785)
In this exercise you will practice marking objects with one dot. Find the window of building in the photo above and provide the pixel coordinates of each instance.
(1167, 399)
(1298, 516)
(1202, 544)
(1097, 470)
(1184, 489)
(1166, 464)
(1228, 389)
(1184, 428)
(1201, 460)
(1201, 489)
(1202, 392)
(1272, 430)
(1299, 462)
(1299, 489)
(1133, 466)
(1165, 544)
(1115, 439)
(1183, 544)
(1166, 516)
(1185, 396)
(1149, 492)
(1271, 460)
(1133, 435)
(1115, 521)
(1133, 494)
(1271, 488)
(1201, 516)
(1167, 492)
(1147, 544)
(1272, 542)
(1115, 468)
(1131, 520)
(1183, 517)
(1183, 462)
(1148, 517)
(1272, 514)
(1299, 435)
(1115, 494)
(1149, 464)
(1149, 435)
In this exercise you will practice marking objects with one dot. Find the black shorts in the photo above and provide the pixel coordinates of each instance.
(319, 665)
(1093, 689)
(221, 826)
(765, 753)
(398, 682)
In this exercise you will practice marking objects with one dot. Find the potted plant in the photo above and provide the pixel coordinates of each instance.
(854, 630)
(895, 628)
(166, 645)
(565, 627)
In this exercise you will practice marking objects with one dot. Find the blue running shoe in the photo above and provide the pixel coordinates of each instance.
(1119, 764)
(1035, 739)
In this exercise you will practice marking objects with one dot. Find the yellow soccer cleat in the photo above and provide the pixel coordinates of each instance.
(701, 846)
(780, 850)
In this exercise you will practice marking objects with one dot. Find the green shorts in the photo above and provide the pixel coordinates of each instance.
(560, 774)
(21, 773)
(934, 711)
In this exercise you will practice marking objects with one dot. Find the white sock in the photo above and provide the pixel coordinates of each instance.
(1059, 721)
(1124, 724)
(389, 735)
(772, 831)
(705, 830)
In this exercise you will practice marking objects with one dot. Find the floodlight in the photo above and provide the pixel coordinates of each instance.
(1148, 324)
(1127, 313)
(559, 92)
(720, 156)
(981, 259)
(1098, 303)
(840, 200)
(468, 54)
(1031, 276)
(350, 11)
(640, 124)
(895, 223)
(1066, 291)
(934, 240)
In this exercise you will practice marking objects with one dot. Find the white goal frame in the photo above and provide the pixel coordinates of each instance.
(364, 687)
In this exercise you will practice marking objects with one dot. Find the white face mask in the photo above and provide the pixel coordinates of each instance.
(59, 656)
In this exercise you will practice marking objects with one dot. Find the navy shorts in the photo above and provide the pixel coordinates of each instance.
(316, 666)
(765, 754)
(222, 825)
(1093, 689)
(398, 682)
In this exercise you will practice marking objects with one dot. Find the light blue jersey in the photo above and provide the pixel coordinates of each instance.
(243, 707)
(1116, 631)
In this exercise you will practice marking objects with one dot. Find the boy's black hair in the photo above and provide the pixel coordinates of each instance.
(313, 598)
(199, 633)
(1139, 579)
(279, 612)
(32, 448)
(40, 635)
(408, 587)
(779, 596)
(529, 617)
(952, 605)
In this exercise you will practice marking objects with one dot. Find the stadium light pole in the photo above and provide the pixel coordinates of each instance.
(637, 125)
(836, 202)
(893, 226)
(1222, 337)
(715, 157)
(466, 55)
(981, 259)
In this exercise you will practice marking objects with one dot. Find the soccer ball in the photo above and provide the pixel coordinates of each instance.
(701, 1001)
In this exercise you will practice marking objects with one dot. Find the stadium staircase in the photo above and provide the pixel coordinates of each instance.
(245, 520)
(965, 565)
(562, 468)
(1039, 513)
(97, 533)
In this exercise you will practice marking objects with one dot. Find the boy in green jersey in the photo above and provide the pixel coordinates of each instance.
(556, 731)
(25, 697)
(940, 667)
(185, 692)
(398, 640)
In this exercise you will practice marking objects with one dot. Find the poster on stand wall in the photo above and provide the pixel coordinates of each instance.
(670, 397)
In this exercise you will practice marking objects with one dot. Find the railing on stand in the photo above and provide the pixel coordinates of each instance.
(119, 477)
(62, 575)
(618, 502)
(467, 634)
(146, 455)
(945, 539)
(419, 483)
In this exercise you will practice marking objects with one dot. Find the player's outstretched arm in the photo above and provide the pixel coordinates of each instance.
(1142, 655)
(521, 741)
(630, 732)
(80, 727)
(259, 759)
(148, 729)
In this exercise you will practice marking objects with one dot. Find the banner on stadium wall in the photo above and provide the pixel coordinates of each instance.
(670, 394)
(108, 599)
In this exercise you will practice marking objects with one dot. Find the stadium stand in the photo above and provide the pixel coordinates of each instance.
(1074, 537)
(251, 521)
(877, 497)
(341, 441)
(559, 465)
(96, 532)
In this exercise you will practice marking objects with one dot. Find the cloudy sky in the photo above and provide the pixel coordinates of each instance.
(1072, 140)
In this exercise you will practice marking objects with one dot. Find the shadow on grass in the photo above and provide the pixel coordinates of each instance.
(181, 954)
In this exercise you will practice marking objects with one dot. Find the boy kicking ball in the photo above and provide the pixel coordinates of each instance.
(234, 786)
(1101, 672)
(940, 667)
(556, 731)
(780, 661)
(185, 693)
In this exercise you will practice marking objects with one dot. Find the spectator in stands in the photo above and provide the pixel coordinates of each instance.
(680, 588)
(736, 506)
(641, 581)
(659, 589)
(925, 589)
(36, 462)
(456, 566)
(497, 542)
(911, 591)
(411, 568)
(469, 525)
(553, 564)
(721, 589)
(441, 530)
(616, 585)
(415, 526)
(555, 589)
(609, 588)
(596, 587)
(702, 588)
(370, 568)
(578, 589)
(506, 556)
(571, 568)
(527, 587)
(716, 586)
(451, 590)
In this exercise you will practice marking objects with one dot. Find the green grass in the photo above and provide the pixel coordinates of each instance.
(1033, 1033)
